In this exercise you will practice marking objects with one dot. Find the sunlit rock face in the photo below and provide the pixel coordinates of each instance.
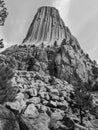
(41, 77)
(47, 27)
(66, 61)
(60, 54)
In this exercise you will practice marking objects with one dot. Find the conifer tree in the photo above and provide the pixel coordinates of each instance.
(3, 16)
(83, 100)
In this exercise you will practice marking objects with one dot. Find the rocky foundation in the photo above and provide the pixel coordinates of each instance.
(38, 78)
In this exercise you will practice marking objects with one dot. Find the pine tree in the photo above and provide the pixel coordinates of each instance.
(3, 16)
(83, 100)
(3, 12)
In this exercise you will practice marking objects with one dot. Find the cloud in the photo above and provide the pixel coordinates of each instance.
(63, 7)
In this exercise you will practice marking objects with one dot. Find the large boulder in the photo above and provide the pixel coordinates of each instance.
(8, 121)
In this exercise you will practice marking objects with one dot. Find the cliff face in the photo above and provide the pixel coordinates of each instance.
(60, 55)
(47, 27)
(67, 62)
(40, 78)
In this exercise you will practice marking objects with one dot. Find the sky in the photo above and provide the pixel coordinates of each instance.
(81, 16)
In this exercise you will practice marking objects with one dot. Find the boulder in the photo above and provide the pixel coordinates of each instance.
(31, 111)
(8, 121)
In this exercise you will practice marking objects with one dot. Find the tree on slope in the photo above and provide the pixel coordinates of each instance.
(3, 16)
(83, 100)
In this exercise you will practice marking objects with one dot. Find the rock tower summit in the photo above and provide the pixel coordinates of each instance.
(47, 26)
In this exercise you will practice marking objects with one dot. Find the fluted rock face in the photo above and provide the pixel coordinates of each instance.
(46, 27)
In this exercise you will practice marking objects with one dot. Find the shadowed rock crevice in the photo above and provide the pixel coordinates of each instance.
(23, 126)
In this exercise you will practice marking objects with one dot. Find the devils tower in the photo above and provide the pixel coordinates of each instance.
(66, 60)
(48, 86)
(47, 27)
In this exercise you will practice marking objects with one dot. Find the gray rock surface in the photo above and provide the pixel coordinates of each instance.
(8, 121)
(47, 26)
(44, 75)
(50, 47)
